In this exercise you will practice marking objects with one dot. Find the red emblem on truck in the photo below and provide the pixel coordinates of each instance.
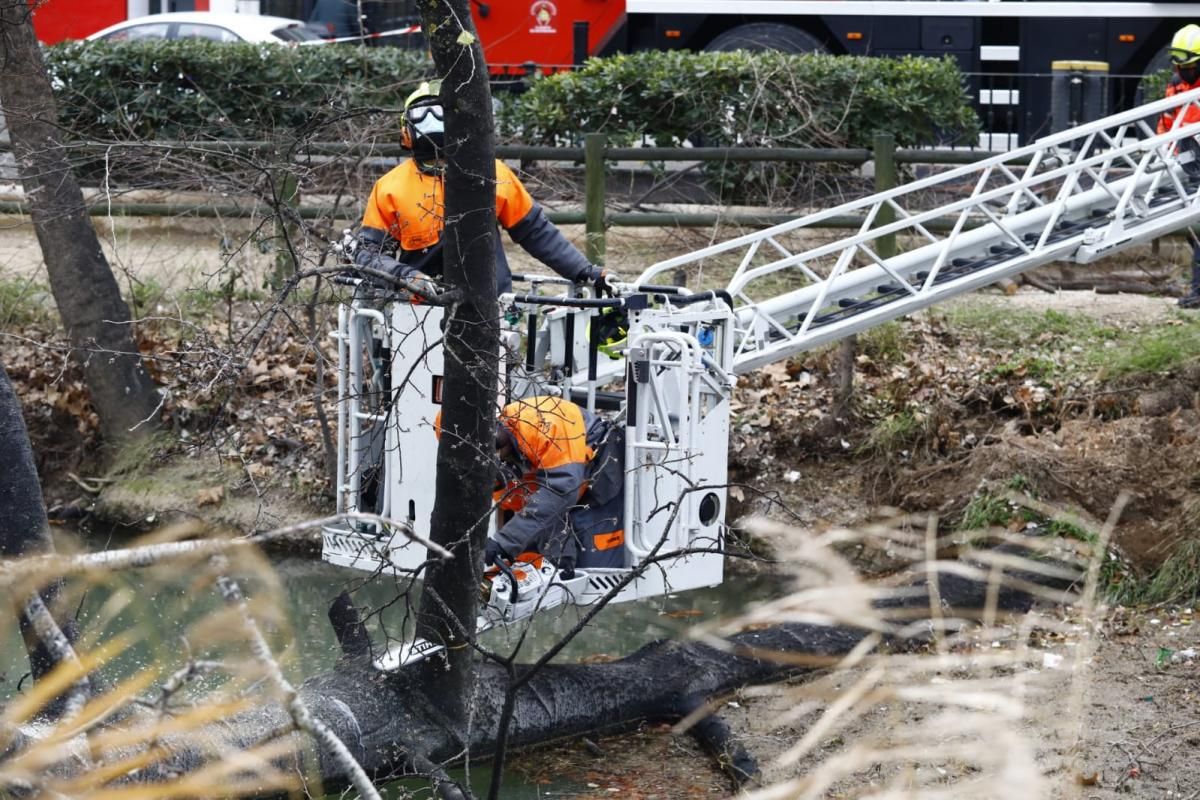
(543, 12)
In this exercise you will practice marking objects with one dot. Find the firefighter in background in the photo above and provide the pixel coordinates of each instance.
(563, 477)
(402, 227)
(1185, 56)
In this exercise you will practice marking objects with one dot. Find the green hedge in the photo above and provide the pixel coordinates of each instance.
(1154, 85)
(199, 89)
(169, 90)
(751, 99)
(196, 90)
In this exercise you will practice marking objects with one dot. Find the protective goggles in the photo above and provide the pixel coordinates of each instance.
(418, 114)
(1179, 56)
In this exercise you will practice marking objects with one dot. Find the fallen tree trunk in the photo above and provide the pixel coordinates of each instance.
(1060, 277)
(395, 725)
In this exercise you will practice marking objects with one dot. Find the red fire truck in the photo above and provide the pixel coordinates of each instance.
(1006, 47)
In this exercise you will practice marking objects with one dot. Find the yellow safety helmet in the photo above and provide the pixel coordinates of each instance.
(433, 90)
(1185, 46)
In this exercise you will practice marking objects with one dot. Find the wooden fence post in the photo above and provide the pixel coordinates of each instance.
(287, 193)
(885, 178)
(594, 194)
(885, 246)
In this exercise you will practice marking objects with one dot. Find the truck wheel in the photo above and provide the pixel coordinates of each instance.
(760, 36)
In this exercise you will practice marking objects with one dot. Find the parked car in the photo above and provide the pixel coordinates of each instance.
(212, 25)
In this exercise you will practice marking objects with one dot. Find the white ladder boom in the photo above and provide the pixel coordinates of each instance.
(1078, 195)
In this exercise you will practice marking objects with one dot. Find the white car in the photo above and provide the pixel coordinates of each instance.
(212, 25)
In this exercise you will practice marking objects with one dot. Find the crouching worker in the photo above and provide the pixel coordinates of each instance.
(563, 476)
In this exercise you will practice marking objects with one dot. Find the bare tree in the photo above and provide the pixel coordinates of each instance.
(85, 290)
(465, 469)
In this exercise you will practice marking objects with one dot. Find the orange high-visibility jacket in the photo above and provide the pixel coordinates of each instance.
(1191, 113)
(557, 442)
(407, 209)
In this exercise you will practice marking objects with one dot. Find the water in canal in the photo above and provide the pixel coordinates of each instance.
(309, 587)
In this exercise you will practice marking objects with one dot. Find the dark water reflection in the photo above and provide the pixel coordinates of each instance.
(310, 587)
(616, 631)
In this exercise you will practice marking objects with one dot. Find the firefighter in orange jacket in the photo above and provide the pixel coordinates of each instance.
(563, 475)
(402, 227)
(1185, 56)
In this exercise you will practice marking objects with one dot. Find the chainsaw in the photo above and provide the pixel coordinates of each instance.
(509, 593)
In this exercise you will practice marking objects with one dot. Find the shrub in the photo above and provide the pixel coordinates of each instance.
(208, 90)
(184, 89)
(199, 90)
(748, 99)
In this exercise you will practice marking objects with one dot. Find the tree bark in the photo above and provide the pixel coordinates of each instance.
(395, 724)
(465, 463)
(23, 527)
(85, 290)
(1171, 395)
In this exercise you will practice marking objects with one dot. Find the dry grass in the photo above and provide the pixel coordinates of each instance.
(176, 662)
(938, 706)
(955, 684)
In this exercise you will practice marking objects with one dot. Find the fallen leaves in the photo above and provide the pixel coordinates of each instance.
(211, 496)
(256, 409)
(916, 371)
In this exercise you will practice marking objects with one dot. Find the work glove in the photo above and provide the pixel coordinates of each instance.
(368, 249)
(493, 553)
(422, 284)
(602, 281)
(566, 568)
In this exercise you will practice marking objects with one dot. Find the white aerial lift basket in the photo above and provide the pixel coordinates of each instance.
(1079, 195)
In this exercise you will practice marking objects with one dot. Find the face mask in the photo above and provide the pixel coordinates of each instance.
(1189, 73)
(428, 131)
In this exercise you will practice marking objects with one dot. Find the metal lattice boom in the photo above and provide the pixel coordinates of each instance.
(1077, 195)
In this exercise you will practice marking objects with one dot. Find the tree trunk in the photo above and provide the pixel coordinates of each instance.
(396, 724)
(843, 394)
(89, 301)
(23, 529)
(465, 463)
